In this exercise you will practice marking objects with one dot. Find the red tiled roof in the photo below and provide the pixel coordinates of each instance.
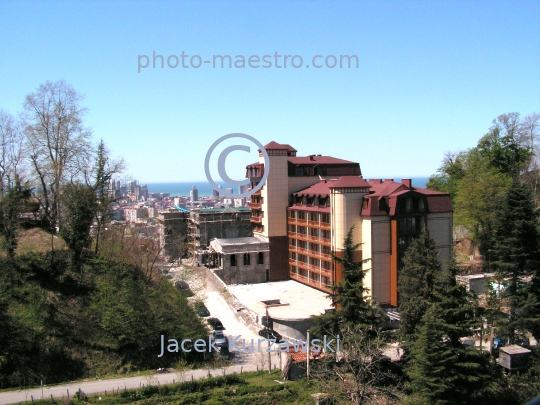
(316, 160)
(321, 188)
(299, 356)
(350, 182)
(274, 145)
(383, 198)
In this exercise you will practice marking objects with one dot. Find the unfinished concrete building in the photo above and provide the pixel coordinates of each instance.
(207, 224)
(240, 260)
(173, 231)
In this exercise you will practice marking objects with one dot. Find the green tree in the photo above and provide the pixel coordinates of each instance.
(502, 147)
(441, 373)
(449, 174)
(11, 206)
(349, 295)
(515, 252)
(80, 205)
(104, 170)
(454, 305)
(416, 283)
(477, 198)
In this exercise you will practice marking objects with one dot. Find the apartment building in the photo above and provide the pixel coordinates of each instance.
(308, 205)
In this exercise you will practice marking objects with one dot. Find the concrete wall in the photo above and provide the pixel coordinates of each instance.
(293, 329)
(376, 239)
(440, 229)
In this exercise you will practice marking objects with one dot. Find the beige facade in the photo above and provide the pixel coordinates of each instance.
(308, 205)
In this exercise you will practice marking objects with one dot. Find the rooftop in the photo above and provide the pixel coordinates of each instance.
(249, 240)
(303, 301)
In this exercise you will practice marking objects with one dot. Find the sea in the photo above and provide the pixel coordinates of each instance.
(181, 189)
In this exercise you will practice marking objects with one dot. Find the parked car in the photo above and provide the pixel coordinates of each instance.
(219, 338)
(216, 324)
(183, 287)
(202, 310)
(270, 334)
(468, 343)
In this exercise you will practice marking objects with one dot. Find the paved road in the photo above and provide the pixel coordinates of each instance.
(100, 386)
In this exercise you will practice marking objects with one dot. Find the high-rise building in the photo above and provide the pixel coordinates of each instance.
(194, 194)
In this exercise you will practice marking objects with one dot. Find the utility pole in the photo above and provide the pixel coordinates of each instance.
(308, 355)
(269, 354)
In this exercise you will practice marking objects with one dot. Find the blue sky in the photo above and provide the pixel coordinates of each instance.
(432, 76)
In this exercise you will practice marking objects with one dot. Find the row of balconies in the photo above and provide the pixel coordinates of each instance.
(311, 267)
(324, 241)
(309, 281)
(313, 224)
(309, 252)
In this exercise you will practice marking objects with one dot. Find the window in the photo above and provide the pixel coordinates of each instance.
(313, 216)
(314, 232)
(418, 205)
(292, 242)
(247, 259)
(260, 258)
(325, 218)
(293, 255)
(316, 277)
(293, 269)
(302, 215)
(292, 228)
(314, 247)
(233, 260)
(326, 265)
(302, 230)
(292, 214)
(325, 234)
(326, 249)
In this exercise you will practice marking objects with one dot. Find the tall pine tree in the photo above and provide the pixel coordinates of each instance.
(348, 295)
(416, 283)
(442, 373)
(515, 254)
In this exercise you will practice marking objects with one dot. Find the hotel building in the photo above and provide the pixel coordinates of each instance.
(308, 204)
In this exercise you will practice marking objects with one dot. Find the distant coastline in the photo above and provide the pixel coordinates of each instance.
(181, 189)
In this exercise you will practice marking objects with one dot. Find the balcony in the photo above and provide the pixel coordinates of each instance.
(256, 220)
(254, 205)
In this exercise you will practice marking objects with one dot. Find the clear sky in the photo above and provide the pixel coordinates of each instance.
(431, 76)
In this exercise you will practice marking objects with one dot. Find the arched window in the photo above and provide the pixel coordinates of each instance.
(247, 259)
(260, 258)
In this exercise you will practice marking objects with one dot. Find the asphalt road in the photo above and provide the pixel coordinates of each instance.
(102, 386)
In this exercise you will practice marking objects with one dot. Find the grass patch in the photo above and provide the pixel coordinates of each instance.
(37, 240)
(249, 388)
